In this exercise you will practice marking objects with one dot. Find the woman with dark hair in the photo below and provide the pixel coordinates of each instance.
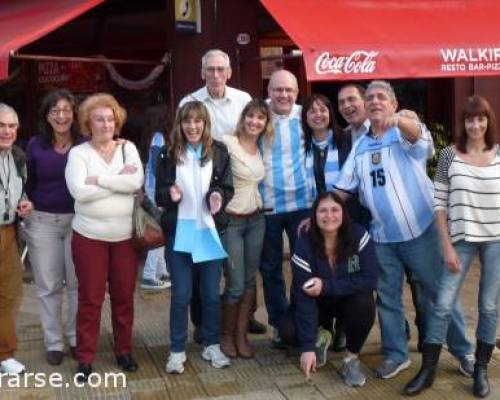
(48, 229)
(467, 205)
(323, 142)
(327, 148)
(194, 185)
(244, 235)
(334, 274)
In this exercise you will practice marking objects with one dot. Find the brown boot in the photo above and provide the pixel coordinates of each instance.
(245, 313)
(229, 316)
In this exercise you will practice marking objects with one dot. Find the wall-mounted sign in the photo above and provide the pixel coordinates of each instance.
(187, 16)
(243, 39)
(74, 75)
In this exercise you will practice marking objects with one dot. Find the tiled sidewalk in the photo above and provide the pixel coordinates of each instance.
(270, 375)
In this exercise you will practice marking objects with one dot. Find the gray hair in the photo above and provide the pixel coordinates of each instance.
(8, 109)
(214, 53)
(385, 86)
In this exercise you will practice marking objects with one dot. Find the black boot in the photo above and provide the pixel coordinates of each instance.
(425, 377)
(481, 387)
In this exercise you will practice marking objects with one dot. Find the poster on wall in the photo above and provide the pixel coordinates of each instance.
(187, 16)
(74, 75)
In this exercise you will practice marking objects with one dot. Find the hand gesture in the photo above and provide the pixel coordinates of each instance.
(128, 169)
(315, 289)
(451, 259)
(175, 193)
(91, 180)
(304, 226)
(24, 208)
(215, 201)
(308, 363)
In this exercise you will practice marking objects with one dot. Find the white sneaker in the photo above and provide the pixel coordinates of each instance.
(175, 363)
(12, 367)
(214, 354)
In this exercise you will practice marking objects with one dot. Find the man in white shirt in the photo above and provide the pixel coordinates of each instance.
(223, 102)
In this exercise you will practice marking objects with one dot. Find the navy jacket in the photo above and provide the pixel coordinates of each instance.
(350, 276)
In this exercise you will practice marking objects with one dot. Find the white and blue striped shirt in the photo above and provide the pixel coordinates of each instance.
(389, 175)
(285, 187)
(157, 142)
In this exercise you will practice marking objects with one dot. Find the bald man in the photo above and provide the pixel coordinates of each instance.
(284, 191)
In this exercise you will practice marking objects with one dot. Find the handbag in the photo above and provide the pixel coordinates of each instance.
(147, 233)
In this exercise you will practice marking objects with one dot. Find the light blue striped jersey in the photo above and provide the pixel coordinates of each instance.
(389, 175)
(157, 143)
(285, 187)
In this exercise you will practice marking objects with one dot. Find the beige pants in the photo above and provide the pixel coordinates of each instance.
(11, 286)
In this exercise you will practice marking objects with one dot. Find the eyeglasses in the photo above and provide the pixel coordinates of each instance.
(54, 112)
(212, 70)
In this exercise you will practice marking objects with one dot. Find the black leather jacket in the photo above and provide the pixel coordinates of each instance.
(221, 182)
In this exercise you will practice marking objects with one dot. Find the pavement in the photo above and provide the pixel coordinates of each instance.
(272, 374)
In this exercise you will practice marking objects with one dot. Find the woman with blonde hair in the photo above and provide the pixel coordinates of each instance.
(102, 176)
(244, 235)
(194, 184)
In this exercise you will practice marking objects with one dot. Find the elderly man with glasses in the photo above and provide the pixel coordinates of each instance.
(13, 206)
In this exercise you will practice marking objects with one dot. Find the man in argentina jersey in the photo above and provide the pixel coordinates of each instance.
(284, 190)
(387, 168)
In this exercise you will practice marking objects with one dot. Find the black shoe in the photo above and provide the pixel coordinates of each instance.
(55, 357)
(427, 373)
(481, 386)
(257, 328)
(127, 363)
(83, 371)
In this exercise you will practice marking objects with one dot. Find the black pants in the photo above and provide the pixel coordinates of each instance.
(356, 312)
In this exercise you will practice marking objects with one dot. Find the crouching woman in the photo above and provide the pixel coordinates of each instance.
(334, 275)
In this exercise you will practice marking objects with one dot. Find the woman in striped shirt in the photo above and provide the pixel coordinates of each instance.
(467, 204)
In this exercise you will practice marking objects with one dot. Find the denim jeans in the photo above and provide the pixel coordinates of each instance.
(424, 258)
(489, 291)
(272, 260)
(155, 265)
(243, 241)
(181, 276)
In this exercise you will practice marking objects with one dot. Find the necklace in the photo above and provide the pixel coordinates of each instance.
(105, 153)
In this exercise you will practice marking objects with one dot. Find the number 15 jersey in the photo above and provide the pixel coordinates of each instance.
(390, 177)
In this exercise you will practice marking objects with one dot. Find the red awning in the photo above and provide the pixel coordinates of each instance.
(24, 21)
(366, 39)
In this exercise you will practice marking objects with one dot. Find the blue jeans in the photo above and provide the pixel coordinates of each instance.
(243, 241)
(181, 275)
(423, 257)
(489, 291)
(155, 265)
(272, 261)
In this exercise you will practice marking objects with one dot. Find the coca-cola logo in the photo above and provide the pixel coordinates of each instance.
(358, 62)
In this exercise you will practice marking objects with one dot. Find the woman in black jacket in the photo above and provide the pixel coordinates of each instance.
(194, 184)
(334, 274)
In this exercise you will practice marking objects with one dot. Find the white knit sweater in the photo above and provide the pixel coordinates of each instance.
(103, 211)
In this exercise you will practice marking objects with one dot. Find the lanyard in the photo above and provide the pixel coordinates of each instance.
(5, 186)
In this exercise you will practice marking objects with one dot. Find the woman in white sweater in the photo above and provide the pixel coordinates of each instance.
(102, 176)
